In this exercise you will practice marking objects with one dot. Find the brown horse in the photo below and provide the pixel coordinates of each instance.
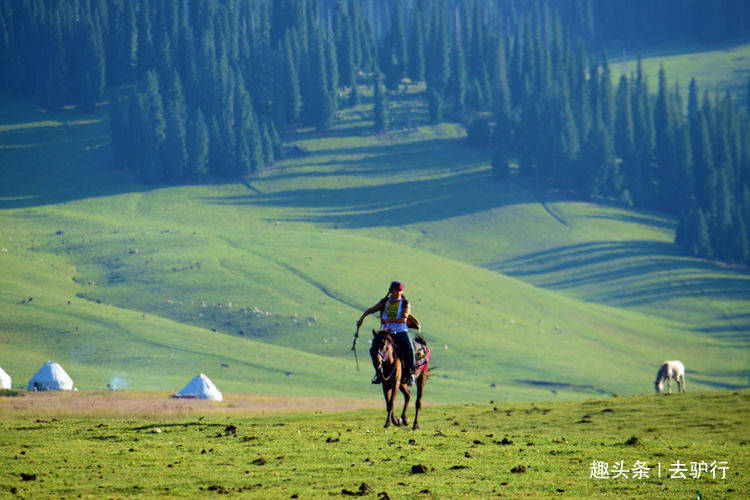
(389, 365)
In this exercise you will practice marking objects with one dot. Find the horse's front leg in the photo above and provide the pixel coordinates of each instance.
(396, 377)
(418, 403)
(387, 391)
(407, 396)
(669, 385)
(684, 385)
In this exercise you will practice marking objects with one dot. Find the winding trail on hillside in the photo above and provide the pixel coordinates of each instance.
(299, 274)
(319, 286)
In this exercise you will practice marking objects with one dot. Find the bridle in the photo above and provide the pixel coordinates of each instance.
(382, 354)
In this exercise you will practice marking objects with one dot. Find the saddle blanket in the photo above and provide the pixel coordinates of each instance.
(422, 356)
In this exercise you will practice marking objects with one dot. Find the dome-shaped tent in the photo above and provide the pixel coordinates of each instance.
(201, 387)
(51, 377)
(4, 379)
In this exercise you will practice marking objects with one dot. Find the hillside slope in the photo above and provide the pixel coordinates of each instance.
(281, 266)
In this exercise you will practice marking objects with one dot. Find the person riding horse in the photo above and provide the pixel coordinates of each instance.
(394, 311)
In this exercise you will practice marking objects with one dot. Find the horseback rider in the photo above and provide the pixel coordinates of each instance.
(394, 310)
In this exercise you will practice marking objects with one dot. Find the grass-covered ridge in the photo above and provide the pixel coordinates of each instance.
(281, 267)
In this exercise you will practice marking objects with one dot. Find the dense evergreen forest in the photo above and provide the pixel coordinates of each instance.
(207, 88)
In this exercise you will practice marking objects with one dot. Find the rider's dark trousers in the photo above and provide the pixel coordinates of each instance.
(406, 346)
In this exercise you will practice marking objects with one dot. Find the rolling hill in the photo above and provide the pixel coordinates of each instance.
(523, 292)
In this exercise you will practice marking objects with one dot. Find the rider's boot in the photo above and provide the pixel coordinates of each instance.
(376, 379)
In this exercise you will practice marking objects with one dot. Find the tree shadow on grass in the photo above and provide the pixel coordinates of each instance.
(50, 162)
(389, 204)
(627, 273)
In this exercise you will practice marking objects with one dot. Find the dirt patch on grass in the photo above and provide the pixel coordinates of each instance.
(133, 403)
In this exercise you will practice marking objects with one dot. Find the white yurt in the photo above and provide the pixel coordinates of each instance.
(201, 387)
(51, 377)
(4, 379)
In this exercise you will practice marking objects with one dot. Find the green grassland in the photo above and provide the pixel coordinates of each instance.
(719, 69)
(466, 450)
(523, 292)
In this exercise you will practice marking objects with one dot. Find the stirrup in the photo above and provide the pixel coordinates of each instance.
(411, 380)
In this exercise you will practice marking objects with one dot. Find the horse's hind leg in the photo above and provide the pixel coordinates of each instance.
(407, 396)
(684, 385)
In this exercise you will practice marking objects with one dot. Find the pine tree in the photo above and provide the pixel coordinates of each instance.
(705, 179)
(600, 176)
(529, 137)
(52, 78)
(197, 144)
(438, 68)
(343, 34)
(320, 105)
(568, 147)
(267, 145)
(292, 94)
(501, 90)
(174, 153)
(146, 53)
(91, 66)
(702, 244)
(354, 94)
(434, 105)
(380, 106)
(607, 98)
(416, 56)
(457, 86)
(278, 146)
(152, 130)
(332, 71)
(397, 42)
(664, 134)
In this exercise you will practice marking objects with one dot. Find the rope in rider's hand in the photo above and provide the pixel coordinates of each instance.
(354, 347)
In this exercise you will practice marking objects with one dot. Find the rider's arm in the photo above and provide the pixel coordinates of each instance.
(407, 311)
(369, 311)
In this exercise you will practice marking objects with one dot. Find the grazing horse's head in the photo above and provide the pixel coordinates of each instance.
(661, 375)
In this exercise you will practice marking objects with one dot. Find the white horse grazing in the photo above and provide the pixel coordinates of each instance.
(671, 370)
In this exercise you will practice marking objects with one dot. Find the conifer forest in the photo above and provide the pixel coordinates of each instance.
(207, 89)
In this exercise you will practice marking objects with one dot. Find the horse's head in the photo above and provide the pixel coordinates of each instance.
(382, 347)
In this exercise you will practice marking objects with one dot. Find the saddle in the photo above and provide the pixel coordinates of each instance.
(421, 354)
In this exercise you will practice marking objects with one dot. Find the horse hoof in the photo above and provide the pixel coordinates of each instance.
(415, 428)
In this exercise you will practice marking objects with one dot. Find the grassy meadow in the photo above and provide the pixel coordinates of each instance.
(523, 292)
(725, 68)
(468, 450)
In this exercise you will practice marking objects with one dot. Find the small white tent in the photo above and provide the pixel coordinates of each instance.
(4, 379)
(201, 387)
(51, 377)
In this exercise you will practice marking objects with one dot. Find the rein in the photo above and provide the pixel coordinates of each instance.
(383, 356)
